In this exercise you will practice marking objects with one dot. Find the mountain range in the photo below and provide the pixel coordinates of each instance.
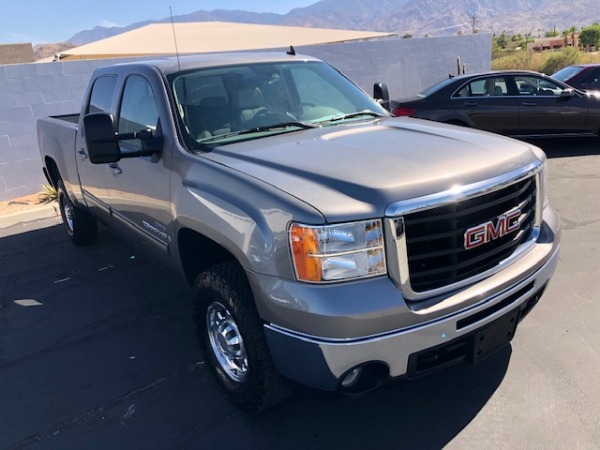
(418, 18)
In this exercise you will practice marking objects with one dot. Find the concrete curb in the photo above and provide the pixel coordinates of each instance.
(39, 212)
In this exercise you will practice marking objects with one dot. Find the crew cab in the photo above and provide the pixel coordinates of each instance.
(327, 243)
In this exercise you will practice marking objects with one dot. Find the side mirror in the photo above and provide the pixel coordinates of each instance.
(101, 139)
(567, 93)
(381, 94)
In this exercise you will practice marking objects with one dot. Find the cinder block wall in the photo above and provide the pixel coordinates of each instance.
(407, 66)
(32, 91)
(28, 92)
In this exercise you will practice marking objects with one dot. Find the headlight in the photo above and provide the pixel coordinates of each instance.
(338, 252)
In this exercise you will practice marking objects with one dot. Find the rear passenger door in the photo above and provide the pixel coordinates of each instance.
(487, 104)
(93, 177)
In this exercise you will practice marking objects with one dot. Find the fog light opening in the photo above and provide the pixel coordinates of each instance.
(362, 379)
(351, 378)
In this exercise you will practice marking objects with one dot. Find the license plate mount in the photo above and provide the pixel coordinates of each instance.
(493, 336)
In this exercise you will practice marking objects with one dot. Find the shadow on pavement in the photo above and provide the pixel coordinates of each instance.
(562, 147)
(97, 350)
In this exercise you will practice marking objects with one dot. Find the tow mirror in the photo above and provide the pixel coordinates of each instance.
(103, 141)
(100, 137)
(381, 94)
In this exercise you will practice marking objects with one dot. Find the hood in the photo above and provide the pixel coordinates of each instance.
(354, 171)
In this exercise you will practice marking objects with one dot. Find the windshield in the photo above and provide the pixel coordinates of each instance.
(567, 73)
(228, 104)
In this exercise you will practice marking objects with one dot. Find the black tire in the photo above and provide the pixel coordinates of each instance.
(80, 225)
(223, 307)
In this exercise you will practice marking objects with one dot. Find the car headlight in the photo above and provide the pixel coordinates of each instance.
(338, 252)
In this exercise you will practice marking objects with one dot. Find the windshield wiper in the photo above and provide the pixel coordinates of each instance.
(277, 126)
(366, 112)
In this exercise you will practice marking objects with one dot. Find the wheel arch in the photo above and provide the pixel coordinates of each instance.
(198, 252)
(51, 171)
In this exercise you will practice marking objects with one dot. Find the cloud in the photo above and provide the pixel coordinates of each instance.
(108, 24)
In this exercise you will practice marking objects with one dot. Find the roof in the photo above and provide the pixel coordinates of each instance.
(208, 37)
(170, 64)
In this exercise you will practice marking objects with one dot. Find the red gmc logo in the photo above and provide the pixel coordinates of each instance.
(486, 232)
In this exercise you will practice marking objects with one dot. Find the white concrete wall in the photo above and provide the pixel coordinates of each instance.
(31, 91)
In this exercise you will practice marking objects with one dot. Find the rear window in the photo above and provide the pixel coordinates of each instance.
(436, 87)
(102, 94)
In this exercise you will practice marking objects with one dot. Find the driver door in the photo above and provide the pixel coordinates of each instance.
(542, 110)
(139, 186)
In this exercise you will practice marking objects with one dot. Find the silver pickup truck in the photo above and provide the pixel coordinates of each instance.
(326, 242)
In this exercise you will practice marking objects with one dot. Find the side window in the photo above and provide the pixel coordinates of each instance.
(494, 87)
(532, 85)
(489, 87)
(102, 93)
(138, 109)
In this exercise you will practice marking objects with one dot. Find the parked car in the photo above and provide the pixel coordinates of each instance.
(581, 76)
(515, 103)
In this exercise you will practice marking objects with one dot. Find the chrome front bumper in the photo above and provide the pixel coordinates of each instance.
(320, 363)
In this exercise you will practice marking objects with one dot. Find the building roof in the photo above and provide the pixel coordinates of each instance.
(209, 37)
(16, 53)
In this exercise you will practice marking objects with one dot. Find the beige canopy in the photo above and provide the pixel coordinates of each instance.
(207, 37)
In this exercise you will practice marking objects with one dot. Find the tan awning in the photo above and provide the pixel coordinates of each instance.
(208, 37)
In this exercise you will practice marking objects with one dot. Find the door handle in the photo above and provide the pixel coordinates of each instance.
(529, 104)
(471, 104)
(116, 170)
(82, 154)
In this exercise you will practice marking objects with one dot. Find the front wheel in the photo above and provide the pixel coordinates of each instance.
(80, 225)
(231, 335)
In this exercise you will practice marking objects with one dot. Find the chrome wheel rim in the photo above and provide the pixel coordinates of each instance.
(226, 342)
(67, 213)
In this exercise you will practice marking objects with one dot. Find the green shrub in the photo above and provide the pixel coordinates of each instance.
(48, 194)
(560, 59)
(548, 61)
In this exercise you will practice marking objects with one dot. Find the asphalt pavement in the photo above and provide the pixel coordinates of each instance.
(97, 350)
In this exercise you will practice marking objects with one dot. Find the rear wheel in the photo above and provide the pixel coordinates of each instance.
(231, 335)
(80, 225)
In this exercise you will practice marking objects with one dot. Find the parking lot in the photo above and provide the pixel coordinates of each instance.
(97, 350)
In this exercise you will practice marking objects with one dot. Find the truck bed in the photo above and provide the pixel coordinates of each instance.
(73, 118)
(56, 140)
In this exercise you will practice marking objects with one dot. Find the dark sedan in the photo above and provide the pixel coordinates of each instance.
(581, 76)
(514, 103)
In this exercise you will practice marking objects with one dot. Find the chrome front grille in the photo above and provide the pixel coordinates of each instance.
(435, 238)
(448, 240)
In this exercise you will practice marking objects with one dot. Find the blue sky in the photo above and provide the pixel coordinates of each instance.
(48, 21)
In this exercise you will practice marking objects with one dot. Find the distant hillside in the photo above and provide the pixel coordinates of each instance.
(416, 17)
(42, 51)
